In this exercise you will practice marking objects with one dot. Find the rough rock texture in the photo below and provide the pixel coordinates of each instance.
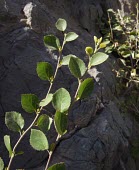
(102, 140)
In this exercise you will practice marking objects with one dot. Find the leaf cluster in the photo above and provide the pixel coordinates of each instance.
(60, 99)
(123, 37)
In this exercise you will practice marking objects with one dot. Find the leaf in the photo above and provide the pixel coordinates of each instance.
(1, 164)
(58, 166)
(89, 50)
(66, 59)
(102, 45)
(95, 39)
(99, 40)
(52, 147)
(86, 88)
(8, 144)
(45, 71)
(61, 24)
(60, 121)
(137, 56)
(98, 58)
(125, 53)
(71, 36)
(38, 140)
(118, 28)
(61, 100)
(29, 102)
(51, 42)
(77, 67)
(111, 10)
(44, 122)
(19, 153)
(14, 121)
(47, 100)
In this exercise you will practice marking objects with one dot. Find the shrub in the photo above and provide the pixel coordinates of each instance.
(61, 99)
(123, 38)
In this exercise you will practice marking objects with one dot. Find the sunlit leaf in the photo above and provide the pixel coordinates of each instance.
(89, 50)
(61, 100)
(46, 100)
(102, 45)
(38, 140)
(95, 39)
(71, 36)
(8, 144)
(61, 24)
(66, 59)
(98, 58)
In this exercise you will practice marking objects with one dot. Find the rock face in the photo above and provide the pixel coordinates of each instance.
(103, 138)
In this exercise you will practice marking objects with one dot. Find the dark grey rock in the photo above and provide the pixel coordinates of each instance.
(103, 138)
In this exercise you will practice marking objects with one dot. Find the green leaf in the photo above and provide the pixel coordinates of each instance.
(137, 56)
(29, 102)
(19, 153)
(44, 122)
(14, 121)
(102, 45)
(38, 140)
(111, 10)
(77, 67)
(45, 71)
(52, 147)
(99, 40)
(86, 88)
(52, 42)
(98, 58)
(47, 100)
(8, 144)
(66, 59)
(61, 24)
(89, 50)
(125, 53)
(95, 39)
(59, 166)
(61, 100)
(1, 164)
(71, 36)
(60, 121)
(118, 28)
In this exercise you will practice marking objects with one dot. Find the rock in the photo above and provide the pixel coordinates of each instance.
(102, 140)
(100, 145)
(37, 17)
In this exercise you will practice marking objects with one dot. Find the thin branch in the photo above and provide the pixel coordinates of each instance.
(17, 143)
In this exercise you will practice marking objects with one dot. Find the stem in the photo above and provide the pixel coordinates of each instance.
(51, 153)
(111, 33)
(50, 87)
(37, 115)
(17, 143)
(79, 83)
(51, 83)
(137, 27)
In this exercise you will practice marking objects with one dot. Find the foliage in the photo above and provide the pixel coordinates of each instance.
(60, 100)
(123, 38)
